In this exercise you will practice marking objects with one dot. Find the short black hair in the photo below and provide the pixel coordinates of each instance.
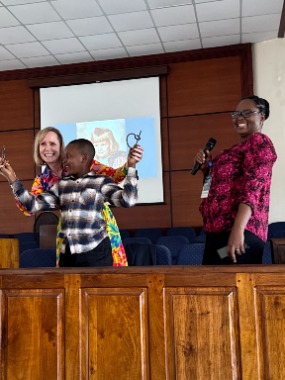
(84, 146)
(261, 104)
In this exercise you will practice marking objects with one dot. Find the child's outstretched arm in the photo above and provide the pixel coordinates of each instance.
(32, 203)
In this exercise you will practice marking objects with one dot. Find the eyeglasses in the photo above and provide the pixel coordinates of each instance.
(245, 114)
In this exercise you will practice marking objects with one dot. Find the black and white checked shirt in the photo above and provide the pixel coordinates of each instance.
(81, 201)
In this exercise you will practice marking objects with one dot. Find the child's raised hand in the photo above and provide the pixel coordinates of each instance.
(135, 155)
(7, 171)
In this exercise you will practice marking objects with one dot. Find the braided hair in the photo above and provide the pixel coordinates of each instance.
(261, 104)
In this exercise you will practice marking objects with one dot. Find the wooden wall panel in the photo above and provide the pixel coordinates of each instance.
(16, 107)
(163, 97)
(186, 196)
(34, 324)
(12, 220)
(19, 151)
(9, 253)
(114, 333)
(270, 302)
(189, 134)
(204, 86)
(195, 316)
(165, 145)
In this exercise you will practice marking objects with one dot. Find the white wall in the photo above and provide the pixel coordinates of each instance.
(269, 83)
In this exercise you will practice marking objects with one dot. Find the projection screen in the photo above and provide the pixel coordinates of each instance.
(112, 115)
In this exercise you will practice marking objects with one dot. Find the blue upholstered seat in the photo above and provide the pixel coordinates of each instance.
(152, 233)
(38, 257)
(163, 255)
(188, 232)
(132, 239)
(191, 254)
(276, 230)
(267, 254)
(124, 233)
(27, 240)
(173, 243)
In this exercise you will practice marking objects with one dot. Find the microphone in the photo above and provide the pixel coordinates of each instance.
(209, 146)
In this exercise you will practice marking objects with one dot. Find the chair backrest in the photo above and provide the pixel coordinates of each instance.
(37, 258)
(124, 234)
(173, 243)
(201, 236)
(140, 254)
(47, 235)
(132, 239)
(45, 218)
(188, 232)
(163, 255)
(191, 254)
(152, 233)
(277, 246)
(276, 230)
(27, 240)
(267, 253)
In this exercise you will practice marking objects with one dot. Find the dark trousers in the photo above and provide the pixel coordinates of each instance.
(214, 240)
(100, 256)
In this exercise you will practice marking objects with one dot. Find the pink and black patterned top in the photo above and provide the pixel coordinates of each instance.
(241, 174)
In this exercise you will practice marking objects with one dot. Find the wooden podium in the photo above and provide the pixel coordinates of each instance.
(9, 253)
(143, 323)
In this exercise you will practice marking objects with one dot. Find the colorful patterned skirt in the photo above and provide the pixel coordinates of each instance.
(118, 250)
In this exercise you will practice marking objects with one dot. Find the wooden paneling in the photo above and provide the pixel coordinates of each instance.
(270, 302)
(202, 87)
(195, 316)
(189, 134)
(12, 219)
(186, 198)
(9, 253)
(16, 106)
(19, 152)
(157, 323)
(114, 333)
(34, 344)
(165, 145)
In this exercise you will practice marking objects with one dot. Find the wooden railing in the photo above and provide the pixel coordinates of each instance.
(184, 323)
(9, 253)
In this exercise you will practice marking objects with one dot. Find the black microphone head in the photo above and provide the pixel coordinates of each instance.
(210, 144)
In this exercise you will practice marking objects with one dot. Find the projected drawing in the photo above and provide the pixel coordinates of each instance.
(108, 138)
(107, 148)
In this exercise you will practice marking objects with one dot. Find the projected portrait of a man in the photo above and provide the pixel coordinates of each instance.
(107, 148)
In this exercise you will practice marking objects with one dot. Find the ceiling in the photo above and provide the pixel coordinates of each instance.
(37, 33)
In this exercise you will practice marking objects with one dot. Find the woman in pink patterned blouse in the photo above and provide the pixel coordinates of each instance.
(236, 205)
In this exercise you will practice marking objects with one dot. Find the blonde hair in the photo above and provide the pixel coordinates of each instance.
(39, 138)
(103, 134)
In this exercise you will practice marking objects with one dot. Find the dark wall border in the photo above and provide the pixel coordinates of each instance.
(101, 76)
(64, 73)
